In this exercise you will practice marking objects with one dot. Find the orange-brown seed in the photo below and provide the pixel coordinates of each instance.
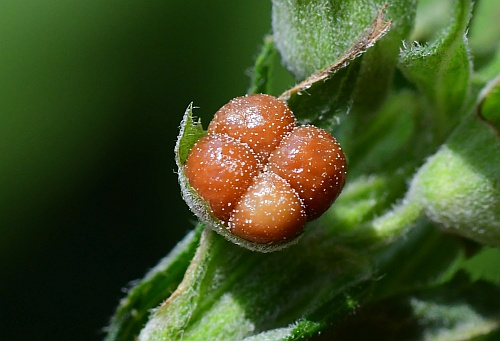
(221, 169)
(312, 162)
(269, 212)
(259, 120)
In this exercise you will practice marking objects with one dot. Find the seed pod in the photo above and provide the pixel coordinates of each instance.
(256, 178)
(260, 121)
(313, 163)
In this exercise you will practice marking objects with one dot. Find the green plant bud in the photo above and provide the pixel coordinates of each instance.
(459, 187)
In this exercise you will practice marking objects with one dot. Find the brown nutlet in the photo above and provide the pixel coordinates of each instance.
(262, 176)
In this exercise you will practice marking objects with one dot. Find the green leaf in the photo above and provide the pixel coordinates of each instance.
(378, 64)
(489, 108)
(458, 310)
(484, 265)
(159, 283)
(326, 104)
(389, 140)
(311, 34)
(324, 95)
(484, 36)
(357, 217)
(231, 293)
(348, 92)
(432, 17)
(490, 71)
(260, 83)
(190, 132)
(422, 258)
(442, 71)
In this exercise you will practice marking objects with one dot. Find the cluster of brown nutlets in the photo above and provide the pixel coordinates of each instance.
(262, 175)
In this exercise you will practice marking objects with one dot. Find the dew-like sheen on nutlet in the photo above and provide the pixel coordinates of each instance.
(262, 176)
(269, 212)
(312, 162)
(220, 169)
(260, 121)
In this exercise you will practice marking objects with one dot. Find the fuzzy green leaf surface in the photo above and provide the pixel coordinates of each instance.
(159, 282)
(327, 95)
(191, 131)
(458, 310)
(459, 186)
(234, 293)
(311, 34)
(442, 70)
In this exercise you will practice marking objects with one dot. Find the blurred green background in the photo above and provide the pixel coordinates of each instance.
(91, 95)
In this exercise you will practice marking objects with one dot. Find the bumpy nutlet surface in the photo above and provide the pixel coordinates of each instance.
(269, 212)
(221, 169)
(312, 162)
(261, 121)
(262, 176)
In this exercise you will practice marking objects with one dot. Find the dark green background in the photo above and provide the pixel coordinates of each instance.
(91, 95)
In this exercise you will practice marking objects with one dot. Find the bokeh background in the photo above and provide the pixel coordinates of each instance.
(91, 95)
